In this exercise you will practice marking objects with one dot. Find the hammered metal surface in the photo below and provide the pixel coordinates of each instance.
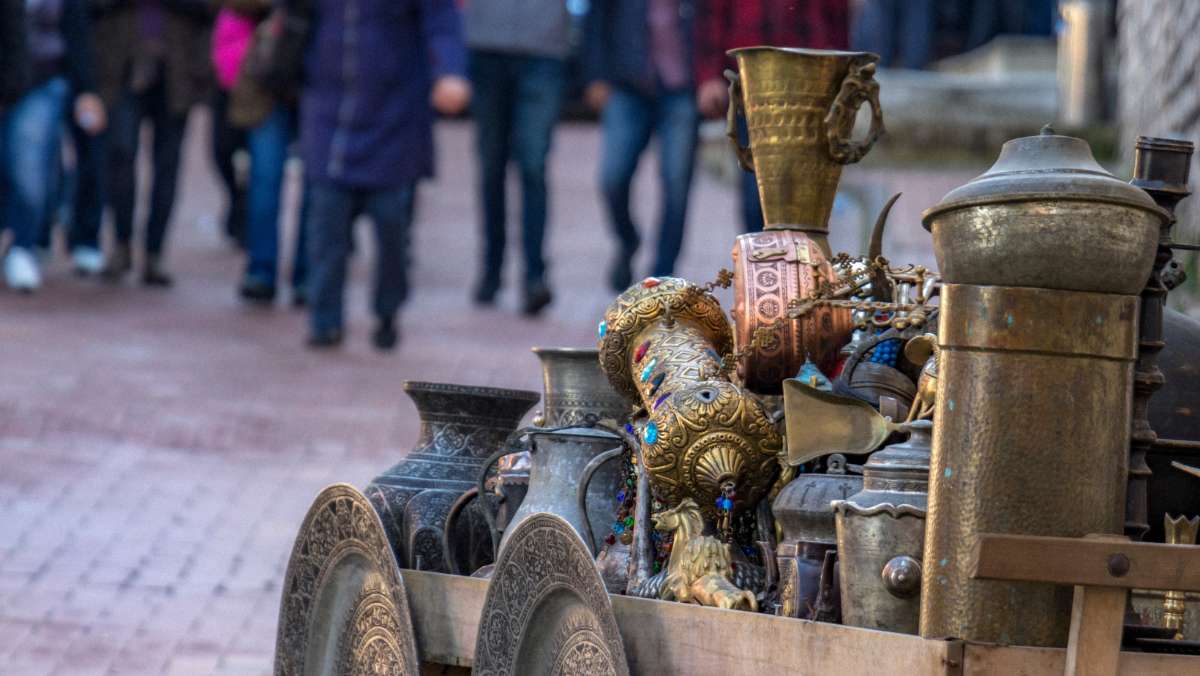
(1026, 441)
(547, 611)
(771, 269)
(344, 609)
(787, 96)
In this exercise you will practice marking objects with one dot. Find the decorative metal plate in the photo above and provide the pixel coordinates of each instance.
(547, 612)
(344, 608)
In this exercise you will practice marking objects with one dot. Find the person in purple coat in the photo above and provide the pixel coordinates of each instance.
(375, 72)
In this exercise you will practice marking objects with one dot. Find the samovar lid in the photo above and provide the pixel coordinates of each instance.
(1046, 166)
(906, 461)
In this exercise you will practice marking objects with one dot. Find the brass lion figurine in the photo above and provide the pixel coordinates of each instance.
(699, 570)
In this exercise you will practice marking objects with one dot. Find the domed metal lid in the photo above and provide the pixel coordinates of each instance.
(907, 461)
(1046, 166)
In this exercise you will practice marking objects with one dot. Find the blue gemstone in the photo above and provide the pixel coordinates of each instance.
(602, 329)
(629, 428)
(650, 434)
(621, 496)
(649, 369)
(618, 528)
(727, 504)
(719, 501)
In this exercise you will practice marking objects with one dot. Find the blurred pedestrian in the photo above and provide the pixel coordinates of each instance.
(723, 25)
(518, 51)
(60, 60)
(14, 56)
(153, 67)
(227, 142)
(901, 32)
(639, 65)
(269, 121)
(366, 139)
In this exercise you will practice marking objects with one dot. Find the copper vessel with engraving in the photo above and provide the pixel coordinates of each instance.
(799, 106)
(1041, 257)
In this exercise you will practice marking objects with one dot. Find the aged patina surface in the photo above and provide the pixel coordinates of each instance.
(344, 609)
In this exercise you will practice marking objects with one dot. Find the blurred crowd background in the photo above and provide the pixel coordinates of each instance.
(350, 90)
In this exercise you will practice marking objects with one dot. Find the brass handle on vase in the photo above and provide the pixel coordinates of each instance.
(858, 87)
(737, 105)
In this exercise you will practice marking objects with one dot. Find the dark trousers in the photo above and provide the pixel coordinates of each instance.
(332, 209)
(124, 136)
(226, 141)
(629, 120)
(751, 204)
(515, 105)
(88, 200)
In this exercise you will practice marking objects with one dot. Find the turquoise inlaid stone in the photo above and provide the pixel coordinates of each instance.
(650, 434)
(602, 329)
(649, 369)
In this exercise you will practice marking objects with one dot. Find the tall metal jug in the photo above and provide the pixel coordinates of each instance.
(800, 106)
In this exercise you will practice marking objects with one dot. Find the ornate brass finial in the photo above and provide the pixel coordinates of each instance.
(1179, 531)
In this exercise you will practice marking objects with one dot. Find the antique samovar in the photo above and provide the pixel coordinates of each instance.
(799, 106)
(1042, 258)
(703, 436)
(881, 534)
(461, 426)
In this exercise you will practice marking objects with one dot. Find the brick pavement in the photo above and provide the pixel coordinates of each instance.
(158, 449)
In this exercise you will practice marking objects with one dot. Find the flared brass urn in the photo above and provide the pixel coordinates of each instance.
(800, 106)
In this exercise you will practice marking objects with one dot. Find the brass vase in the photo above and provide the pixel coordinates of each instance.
(800, 106)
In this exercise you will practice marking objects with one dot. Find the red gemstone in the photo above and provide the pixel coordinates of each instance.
(610, 539)
(640, 352)
(651, 282)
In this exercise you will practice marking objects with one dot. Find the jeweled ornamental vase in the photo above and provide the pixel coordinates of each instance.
(461, 425)
(703, 436)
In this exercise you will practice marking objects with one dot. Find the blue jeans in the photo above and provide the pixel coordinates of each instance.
(899, 31)
(30, 140)
(268, 144)
(332, 209)
(628, 121)
(515, 105)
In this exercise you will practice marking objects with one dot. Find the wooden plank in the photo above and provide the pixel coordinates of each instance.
(445, 615)
(993, 660)
(1085, 561)
(676, 638)
(1094, 645)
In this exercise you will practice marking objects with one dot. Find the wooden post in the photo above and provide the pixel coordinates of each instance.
(1097, 617)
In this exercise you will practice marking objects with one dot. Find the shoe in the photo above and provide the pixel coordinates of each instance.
(120, 262)
(485, 292)
(385, 336)
(21, 270)
(620, 275)
(153, 274)
(88, 261)
(325, 339)
(537, 297)
(256, 290)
